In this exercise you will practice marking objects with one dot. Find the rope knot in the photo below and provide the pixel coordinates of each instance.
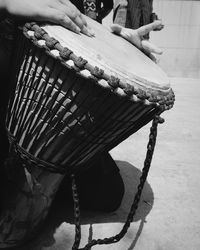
(28, 26)
(39, 33)
(97, 72)
(80, 62)
(51, 42)
(129, 90)
(159, 119)
(114, 82)
(65, 53)
(154, 98)
(142, 94)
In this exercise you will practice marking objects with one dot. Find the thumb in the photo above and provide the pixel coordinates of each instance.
(128, 34)
(116, 28)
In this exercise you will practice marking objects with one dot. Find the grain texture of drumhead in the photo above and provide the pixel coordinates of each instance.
(113, 54)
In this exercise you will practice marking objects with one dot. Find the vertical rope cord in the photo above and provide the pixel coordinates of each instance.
(145, 170)
(76, 214)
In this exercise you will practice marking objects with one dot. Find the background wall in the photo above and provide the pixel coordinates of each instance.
(180, 39)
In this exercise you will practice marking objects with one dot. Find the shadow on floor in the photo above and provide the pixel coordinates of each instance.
(61, 212)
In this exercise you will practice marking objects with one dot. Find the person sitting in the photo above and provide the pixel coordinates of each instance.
(101, 185)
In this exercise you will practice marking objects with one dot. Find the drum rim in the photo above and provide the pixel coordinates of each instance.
(41, 39)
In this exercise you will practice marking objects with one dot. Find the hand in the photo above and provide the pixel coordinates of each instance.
(61, 12)
(136, 37)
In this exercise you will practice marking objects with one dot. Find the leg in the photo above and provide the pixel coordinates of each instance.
(27, 196)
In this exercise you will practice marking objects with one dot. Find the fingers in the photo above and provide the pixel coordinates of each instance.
(86, 28)
(153, 58)
(149, 27)
(74, 24)
(75, 15)
(61, 12)
(151, 48)
(133, 37)
(159, 27)
(58, 17)
(137, 40)
(79, 20)
(83, 19)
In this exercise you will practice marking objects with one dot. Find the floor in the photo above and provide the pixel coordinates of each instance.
(168, 215)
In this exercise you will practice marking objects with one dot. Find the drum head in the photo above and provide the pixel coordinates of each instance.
(113, 54)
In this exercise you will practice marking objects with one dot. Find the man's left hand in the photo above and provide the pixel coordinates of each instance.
(136, 37)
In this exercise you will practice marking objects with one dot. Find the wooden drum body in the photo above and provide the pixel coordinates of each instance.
(75, 96)
(65, 109)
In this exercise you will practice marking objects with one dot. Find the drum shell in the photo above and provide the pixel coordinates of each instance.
(59, 116)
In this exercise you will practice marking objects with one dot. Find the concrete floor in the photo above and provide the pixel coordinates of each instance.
(168, 217)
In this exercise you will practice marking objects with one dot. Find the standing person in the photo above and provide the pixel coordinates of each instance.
(97, 9)
(133, 13)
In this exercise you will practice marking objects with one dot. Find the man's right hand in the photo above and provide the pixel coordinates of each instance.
(61, 12)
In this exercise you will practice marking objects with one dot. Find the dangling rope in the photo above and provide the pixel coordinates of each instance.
(147, 163)
(76, 215)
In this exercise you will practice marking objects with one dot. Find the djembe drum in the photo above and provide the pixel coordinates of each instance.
(72, 97)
